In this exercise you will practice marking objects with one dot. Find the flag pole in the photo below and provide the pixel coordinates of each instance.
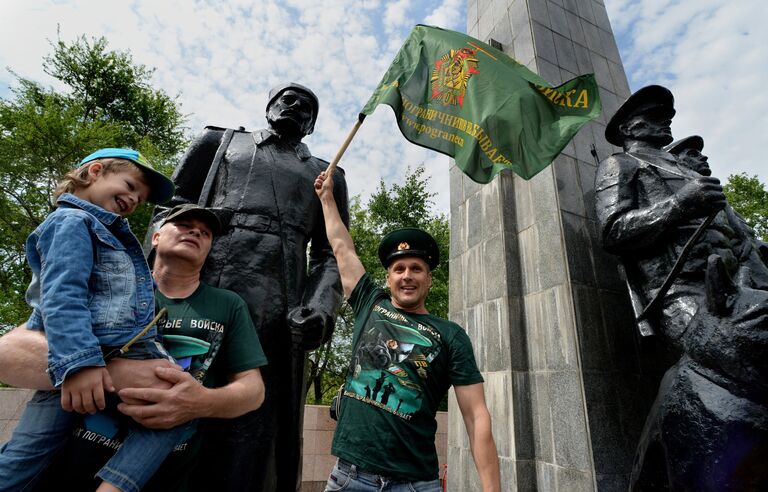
(332, 166)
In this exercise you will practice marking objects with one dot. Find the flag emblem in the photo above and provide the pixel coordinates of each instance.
(451, 76)
(509, 118)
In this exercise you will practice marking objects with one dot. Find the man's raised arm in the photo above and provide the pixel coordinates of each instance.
(350, 267)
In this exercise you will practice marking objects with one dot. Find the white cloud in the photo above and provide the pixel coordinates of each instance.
(711, 55)
(450, 15)
(221, 58)
(395, 15)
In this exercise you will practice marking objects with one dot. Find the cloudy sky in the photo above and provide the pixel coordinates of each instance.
(221, 58)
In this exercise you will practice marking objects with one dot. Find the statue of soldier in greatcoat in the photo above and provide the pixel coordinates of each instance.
(261, 185)
(698, 278)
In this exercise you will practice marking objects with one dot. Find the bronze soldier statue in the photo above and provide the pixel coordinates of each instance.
(698, 278)
(261, 186)
(752, 253)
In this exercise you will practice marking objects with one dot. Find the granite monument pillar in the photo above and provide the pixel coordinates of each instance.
(568, 381)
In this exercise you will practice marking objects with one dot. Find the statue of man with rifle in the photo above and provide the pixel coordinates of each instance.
(698, 278)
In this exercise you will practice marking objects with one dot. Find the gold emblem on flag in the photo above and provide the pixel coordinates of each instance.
(451, 76)
(402, 246)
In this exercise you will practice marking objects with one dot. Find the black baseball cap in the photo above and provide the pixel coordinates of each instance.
(202, 213)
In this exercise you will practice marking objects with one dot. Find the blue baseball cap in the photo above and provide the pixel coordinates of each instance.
(161, 188)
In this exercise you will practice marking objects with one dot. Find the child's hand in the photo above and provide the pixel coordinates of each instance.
(83, 391)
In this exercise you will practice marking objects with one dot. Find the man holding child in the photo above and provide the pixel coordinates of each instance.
(227, 367)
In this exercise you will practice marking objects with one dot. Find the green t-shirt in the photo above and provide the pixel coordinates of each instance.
(402, 366)
(217, 316)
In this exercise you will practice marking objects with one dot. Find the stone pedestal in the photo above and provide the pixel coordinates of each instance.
(553, 331)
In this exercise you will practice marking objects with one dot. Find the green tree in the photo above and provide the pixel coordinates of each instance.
(402, 205)
(408, 205)
(748, 196)
(107, 101)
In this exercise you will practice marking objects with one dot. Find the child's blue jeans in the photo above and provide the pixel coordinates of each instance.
(45, 426)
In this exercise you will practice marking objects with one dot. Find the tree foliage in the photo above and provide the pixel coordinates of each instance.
(402, 205)
(748, 196)
(106, 101)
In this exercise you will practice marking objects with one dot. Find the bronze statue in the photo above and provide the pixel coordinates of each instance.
(698, 278)
(260, 184)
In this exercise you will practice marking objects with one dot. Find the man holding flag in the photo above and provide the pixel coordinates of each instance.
(463, 98)
(384, 443)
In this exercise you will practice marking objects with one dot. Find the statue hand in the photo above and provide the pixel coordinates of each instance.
(309, 328)
(701, 196)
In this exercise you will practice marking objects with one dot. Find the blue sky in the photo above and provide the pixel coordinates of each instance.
(221, 58)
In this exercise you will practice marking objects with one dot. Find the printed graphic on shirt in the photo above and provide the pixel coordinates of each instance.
(391, 361)
(110, 427)
(206, 330)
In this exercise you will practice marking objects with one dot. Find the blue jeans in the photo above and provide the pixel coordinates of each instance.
(45, 426)
(346, 476)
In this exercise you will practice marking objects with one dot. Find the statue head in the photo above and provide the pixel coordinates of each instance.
(292, 110)
(688, 151)
(645, 116)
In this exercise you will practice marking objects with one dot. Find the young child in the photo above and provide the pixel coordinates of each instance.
(91, 292)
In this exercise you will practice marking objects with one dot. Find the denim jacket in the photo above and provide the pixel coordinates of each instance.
(91, 285)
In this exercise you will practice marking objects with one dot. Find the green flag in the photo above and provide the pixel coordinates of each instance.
(459, 96)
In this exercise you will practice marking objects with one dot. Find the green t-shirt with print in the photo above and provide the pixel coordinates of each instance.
(219, 317)
(216, 316)
(402, 366)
